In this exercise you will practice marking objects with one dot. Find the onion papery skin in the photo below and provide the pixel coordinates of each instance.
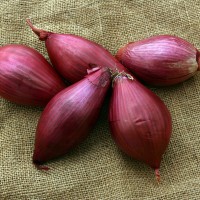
(140, 122)
(160, 60)
(69, 116)
(72, 55)
(26, 77)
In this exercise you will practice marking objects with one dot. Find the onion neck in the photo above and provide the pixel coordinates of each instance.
(42, 34)
(115, 74)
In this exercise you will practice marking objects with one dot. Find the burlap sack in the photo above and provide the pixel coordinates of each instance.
(96, 169)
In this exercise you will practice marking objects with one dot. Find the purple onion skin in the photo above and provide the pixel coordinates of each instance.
(161, 60)
(26, 77)
(72, 55)
(69, 116)
(140, 122)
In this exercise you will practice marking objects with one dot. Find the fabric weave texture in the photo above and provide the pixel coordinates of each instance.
(97, 169)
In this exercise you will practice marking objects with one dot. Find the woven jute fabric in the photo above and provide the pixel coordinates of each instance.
(97, 169)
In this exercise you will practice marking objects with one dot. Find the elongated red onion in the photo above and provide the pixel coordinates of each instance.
(70, 115)
(26, 77)
(72, 55)
(160, 60)
(140, 122)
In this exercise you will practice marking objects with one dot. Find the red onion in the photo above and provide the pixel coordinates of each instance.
(69, 116)
(26, 77)
(140, 122)
(160, 60)
(72, 55)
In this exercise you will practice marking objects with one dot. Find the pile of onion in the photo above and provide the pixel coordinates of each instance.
(140, 122)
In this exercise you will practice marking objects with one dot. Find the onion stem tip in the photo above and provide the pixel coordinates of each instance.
(40, 167)
(157, 174)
